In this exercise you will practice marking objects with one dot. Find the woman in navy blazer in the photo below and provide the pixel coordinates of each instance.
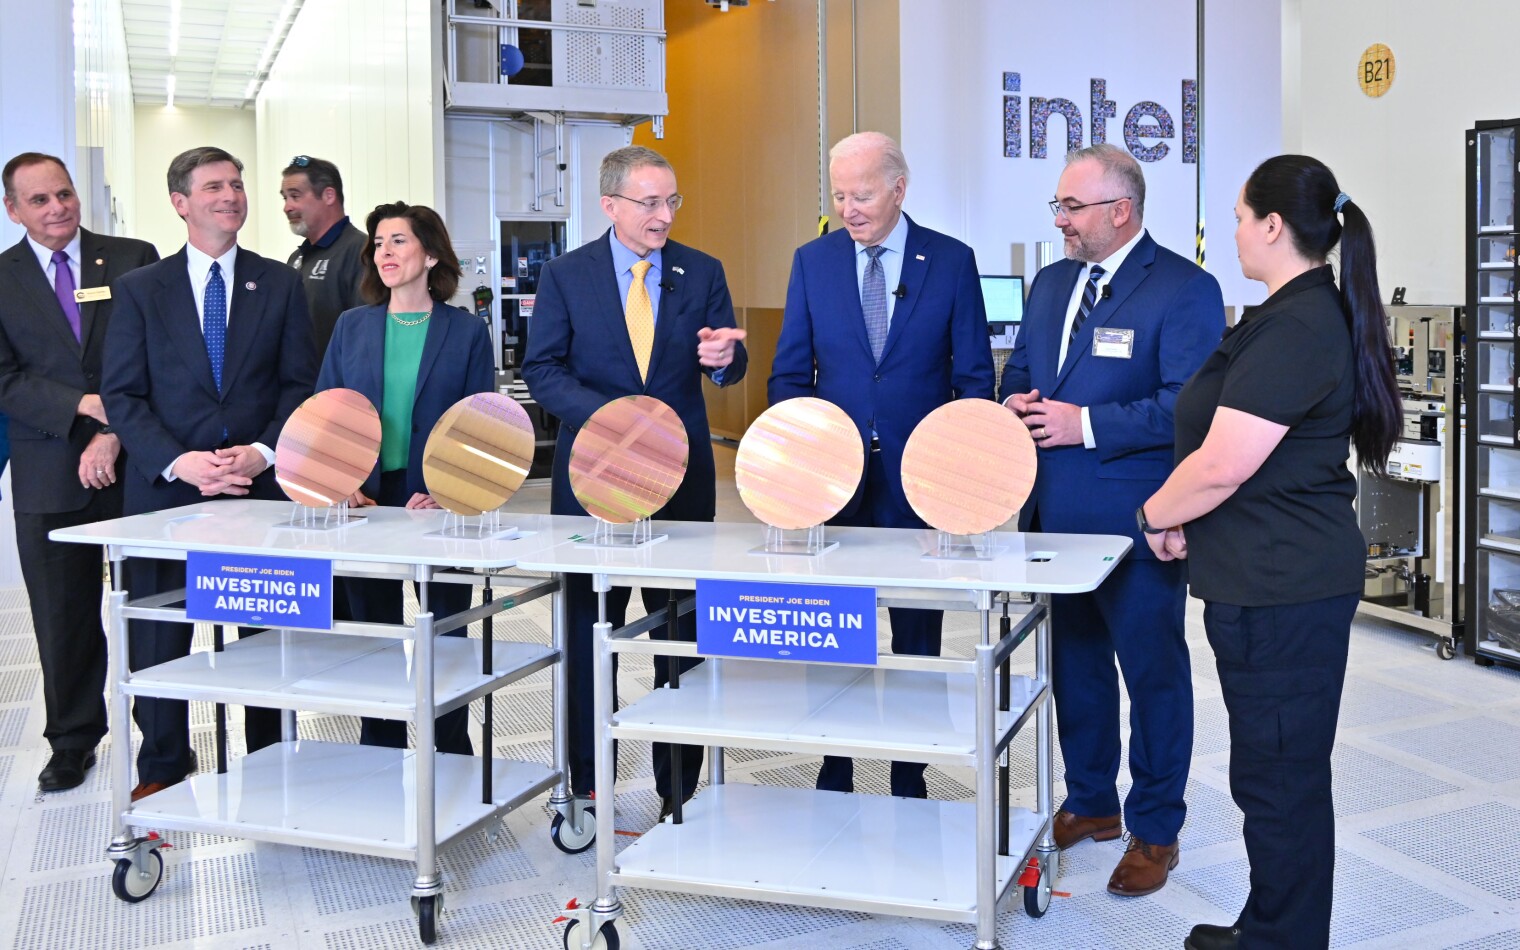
(410, 333)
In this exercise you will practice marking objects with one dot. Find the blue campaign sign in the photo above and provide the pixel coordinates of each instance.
(786, 621)
(259, 591)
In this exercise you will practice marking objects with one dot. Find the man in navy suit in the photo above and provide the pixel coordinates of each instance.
(207, 354)
(67, 460)
(1110, 336)
(885, 319)
(590, 343)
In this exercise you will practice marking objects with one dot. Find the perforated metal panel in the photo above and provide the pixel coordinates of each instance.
(18, 686)
(1090, 922)
(12, 725)
(16, 624)
(1508, 940)
(682, 922)
(1485, 748)
(1365, 782)
(1366, 702)
(197, 900)
(1485, 860)
(611, 61)
(519, 923)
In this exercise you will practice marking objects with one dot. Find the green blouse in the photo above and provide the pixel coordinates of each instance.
(403, 357)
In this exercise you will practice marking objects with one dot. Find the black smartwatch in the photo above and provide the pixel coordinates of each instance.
(1145, 526)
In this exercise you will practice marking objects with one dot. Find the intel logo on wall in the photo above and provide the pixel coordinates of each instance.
(1146, 125)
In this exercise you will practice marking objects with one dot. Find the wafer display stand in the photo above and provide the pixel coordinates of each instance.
(950, 861)
(404, 804)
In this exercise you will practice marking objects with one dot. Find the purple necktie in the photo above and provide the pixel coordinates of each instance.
(63, 286)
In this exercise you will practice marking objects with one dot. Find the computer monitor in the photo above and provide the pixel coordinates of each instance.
(1004, 299)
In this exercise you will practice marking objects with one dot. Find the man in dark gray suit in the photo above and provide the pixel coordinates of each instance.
(55, 301)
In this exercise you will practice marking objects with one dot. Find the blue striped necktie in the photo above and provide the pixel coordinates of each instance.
(214, 321)
(873, 301)
(1089, 300)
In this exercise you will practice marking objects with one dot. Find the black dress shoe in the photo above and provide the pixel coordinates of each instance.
(65, 770)
(667, 807)
(1212, 937)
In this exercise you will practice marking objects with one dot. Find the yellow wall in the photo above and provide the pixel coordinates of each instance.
(161, 134)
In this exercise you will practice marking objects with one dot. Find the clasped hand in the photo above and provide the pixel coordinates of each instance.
(715, 348)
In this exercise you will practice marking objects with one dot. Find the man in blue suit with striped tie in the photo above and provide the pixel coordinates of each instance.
(1110, 336)
(885, 319)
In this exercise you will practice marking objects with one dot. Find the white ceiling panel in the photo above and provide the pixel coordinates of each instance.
(222, 44)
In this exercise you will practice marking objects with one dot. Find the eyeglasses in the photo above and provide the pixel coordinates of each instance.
(652, 205)
(301, 161)
(1056, 208)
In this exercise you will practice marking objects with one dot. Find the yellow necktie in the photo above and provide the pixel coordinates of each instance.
(640, 316)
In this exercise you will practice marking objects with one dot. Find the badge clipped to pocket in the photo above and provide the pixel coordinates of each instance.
(1113, 342)
(91, 294)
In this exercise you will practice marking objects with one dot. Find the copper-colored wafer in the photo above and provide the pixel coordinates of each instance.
(628, 459)
(799, 463)
(478, 453)
(327, 448)
(968, 466)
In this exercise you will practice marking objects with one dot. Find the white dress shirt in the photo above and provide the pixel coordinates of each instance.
(200, 275)
(1110, 265)
(45, 258)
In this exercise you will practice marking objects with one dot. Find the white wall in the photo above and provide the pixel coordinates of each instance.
(104, 166)
(955, 54)
(1402, 156)
(354, 84)
(36, 88)
(163, 133)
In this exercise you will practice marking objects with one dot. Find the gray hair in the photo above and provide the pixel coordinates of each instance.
(1119, 167)
(894, 164)
(617, 165)
(185, 164)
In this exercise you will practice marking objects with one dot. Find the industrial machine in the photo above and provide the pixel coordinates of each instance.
(1411, 519)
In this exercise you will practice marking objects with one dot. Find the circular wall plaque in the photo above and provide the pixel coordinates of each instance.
(478, 453)
(628, 459)
(968, 466)
(327, 448)
(1374, 73)
(799, 463)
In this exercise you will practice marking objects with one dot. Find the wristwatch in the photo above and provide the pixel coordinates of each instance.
(105, 430)
(1145, 526)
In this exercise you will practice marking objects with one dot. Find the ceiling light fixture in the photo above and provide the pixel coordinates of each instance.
(169, 88)
(174, 6)
(261, 71)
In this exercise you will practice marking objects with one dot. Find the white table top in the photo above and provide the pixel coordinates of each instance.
(870, 557)
(386, 536)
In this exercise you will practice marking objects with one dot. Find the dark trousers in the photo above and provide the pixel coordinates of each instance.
(1282, 669)
(914, 632)
(374, 600)
(1137, 617)
(580, 615)
(63, 583)
(165, 723)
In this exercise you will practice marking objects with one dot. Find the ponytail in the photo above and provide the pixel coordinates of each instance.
(1303, 191)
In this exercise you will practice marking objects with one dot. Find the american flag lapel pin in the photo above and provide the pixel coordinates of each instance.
(679, 270)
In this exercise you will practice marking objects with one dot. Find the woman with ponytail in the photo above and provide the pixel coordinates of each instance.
(1261, 505)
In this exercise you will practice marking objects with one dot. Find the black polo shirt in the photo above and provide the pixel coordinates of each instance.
(330, 273)
(1289, 534)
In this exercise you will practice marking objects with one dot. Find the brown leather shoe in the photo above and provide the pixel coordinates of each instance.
(1068, 829)
(144, 789)
(1144, 868)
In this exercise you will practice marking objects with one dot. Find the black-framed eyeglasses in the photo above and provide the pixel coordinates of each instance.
(1057, 209)
(652, 205)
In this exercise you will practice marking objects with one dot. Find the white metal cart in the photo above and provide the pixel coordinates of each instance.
(390, 803)
(950, 861)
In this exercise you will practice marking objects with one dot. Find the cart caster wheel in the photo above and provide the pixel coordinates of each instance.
(133, 884)
(606, 938)
(565, 838)
(427, 920)
(1445, 648)
(1037, 896)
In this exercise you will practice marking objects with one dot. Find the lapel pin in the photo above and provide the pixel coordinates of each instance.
(100, 260)
(250, 286)
(679, 270)
(919, 256)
